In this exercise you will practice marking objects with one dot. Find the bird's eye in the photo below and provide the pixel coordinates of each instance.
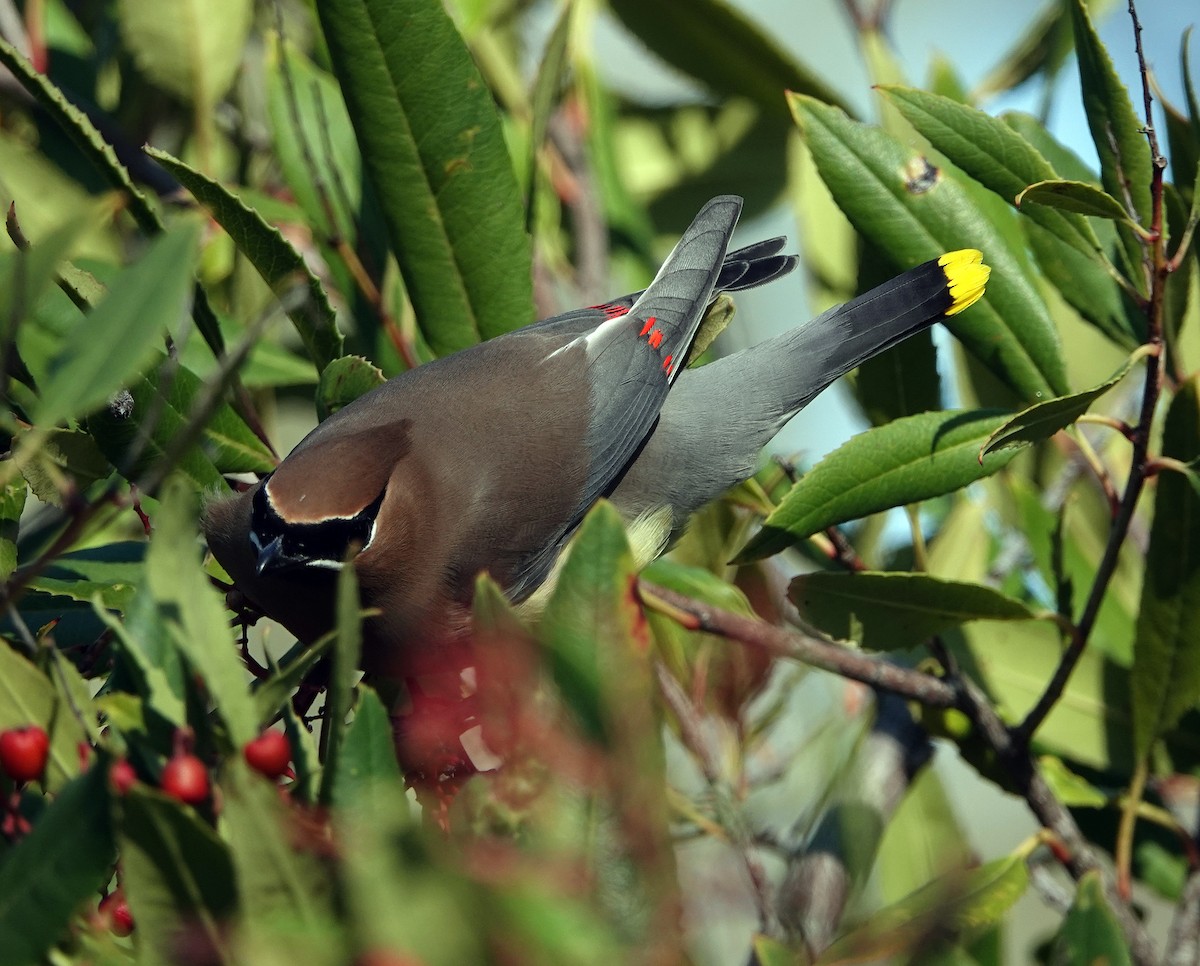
(322, 543)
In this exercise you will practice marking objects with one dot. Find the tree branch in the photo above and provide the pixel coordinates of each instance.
(876, 672)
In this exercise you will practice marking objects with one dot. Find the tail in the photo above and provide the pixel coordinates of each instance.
(719, 417)
(848, 335)
(754, 265)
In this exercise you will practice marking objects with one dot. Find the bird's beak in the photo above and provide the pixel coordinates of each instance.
(270, 557)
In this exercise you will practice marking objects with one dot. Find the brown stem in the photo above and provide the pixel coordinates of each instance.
(880, 674)
(1077, 853)
(1140, 435)
(740, 836)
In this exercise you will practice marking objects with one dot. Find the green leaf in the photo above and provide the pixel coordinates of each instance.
(1183, 143)
(924, 839)
(368, 752)
(1042, 48)
(27, 697)
(46, 876)
(1166, 654)
(907, 460)
(343, 381)
(195, 613)
(1067, 546)
(961, 902)
(347, 650)
(83, 132)
(314, 144)
(397, 896)
(1082, 280)
(683, 155)
(271, 694)
(159, 409)
(12, 503)
(275, 880)
(915, 212)
(892, 611)
(1181, 295)
(713, 42)
(110, 574)
(593, 619)
(195, 53)
(279, 264)
(61, 457)
(1069, 788)
(115, 341)
(268, 366)
(1092, 725)
(992, 153)
(176, 873)
(1086, 286)
(1189, 88)
(547, 87)
(1074, 196)
(561, 927)
(1125, 168)
(771, 952)
(155, 664)
(698, 583)
(1042, 420)
(26, 274)
(1090, 933)
(435, 153)
(625, 213)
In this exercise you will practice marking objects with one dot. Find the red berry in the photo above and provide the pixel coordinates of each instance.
(23, 753)
(186, 779)
(122, 776)
(269, 754)
(114, 910)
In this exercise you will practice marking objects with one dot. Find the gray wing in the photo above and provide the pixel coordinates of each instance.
(632, 360)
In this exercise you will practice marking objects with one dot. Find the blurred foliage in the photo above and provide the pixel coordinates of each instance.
(337, 189)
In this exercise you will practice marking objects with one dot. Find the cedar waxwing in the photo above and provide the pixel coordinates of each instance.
(488, 459)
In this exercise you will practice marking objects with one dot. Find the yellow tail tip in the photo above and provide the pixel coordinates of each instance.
(966, 277)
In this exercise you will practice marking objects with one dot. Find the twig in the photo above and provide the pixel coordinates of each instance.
(739, 836)
(1140, 436)
(843, 550)
(80, 516)
(957, 691)
(1077, 853)
(1089, 455)
(878, 673)
(209, 398)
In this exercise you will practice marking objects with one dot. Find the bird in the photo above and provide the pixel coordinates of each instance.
(488, 459)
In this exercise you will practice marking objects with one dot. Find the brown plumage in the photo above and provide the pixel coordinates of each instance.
(488, 459)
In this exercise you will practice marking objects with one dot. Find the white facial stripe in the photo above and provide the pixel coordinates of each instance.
(326, 564)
